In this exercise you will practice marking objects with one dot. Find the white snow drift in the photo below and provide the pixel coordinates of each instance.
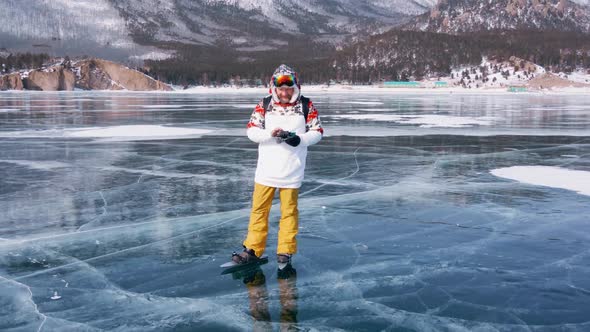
(556, 177)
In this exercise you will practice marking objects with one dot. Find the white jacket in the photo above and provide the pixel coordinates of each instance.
(279, 164)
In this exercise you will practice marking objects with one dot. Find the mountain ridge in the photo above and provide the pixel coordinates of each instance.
(467, 16)
(141, 27)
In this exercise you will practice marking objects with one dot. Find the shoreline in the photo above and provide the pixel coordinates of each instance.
(337, 89)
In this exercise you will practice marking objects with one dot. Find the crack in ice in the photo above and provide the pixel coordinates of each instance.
(30, 299)
(336, 181)
(104, 212)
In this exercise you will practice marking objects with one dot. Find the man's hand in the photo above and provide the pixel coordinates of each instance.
(283, 134)
(275, 132)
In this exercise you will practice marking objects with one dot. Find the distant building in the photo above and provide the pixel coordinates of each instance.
(401, 84)
(517, 88)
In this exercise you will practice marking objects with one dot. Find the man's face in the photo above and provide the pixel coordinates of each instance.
(285, 93)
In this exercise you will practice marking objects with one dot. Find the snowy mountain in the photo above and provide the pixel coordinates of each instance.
(416, 55)
(259, 23)
(462, 16)
(135, 27)
(91, 27)
(214, 40)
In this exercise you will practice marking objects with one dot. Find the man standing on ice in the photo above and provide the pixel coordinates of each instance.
(283, 124)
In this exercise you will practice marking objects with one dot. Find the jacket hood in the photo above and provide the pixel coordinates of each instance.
(285, 70)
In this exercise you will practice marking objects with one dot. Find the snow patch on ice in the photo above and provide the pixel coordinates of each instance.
(373, 117)
(40, 165)
(55, 296)
(163, 106)
(136, 131)
(374, 109)
(424, 121)
(127, 133)
(548, 176)
(363, 102)
(431, 121)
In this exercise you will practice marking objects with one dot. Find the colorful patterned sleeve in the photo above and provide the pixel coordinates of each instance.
(257, 118)
(313, 120)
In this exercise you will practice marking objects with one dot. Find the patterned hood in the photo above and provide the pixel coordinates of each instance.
(285, 70)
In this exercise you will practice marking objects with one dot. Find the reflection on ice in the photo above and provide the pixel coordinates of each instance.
(402, 227)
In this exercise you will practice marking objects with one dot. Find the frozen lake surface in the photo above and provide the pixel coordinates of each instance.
(419, 212)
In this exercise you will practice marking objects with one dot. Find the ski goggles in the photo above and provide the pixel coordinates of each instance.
(288, 80)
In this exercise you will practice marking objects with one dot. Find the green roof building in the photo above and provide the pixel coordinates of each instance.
(401, 84)
(517, 89)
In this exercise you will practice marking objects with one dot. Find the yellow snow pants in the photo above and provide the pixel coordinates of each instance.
(288, 225)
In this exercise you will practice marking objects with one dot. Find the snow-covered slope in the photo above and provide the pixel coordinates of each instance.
(494, 74)
(92, 27)
(66, 20)
(206, 21)
(514, 72)
(463, 16)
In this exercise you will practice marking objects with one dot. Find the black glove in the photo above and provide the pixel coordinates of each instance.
(289, 137)
(293, 140)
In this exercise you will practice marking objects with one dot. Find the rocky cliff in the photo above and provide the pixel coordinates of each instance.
(97, 74)
(89, 74)
(55, 78)
(551, 81)
(11, 82)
